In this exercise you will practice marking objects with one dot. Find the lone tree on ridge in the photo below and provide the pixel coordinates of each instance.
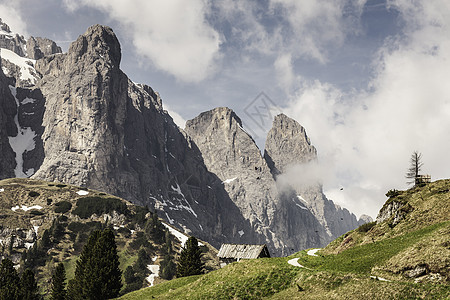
(415, 166)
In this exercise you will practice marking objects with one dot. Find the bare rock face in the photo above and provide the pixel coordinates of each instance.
(8, 110)
(103, 131)
(38, 47)
(277, 214)
(11, 41)
(287, 144)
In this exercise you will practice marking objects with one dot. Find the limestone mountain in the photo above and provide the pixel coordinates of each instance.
(76, 118)
(288, 216)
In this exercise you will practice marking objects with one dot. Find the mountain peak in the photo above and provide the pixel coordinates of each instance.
(219, 116)
(287, 144)
(97, 42)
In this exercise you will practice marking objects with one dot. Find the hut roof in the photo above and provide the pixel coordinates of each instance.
(242, 251)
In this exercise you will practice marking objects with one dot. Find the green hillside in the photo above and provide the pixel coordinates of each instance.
(407, 256)
(64, 215)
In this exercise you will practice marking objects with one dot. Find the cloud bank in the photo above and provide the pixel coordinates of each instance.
(172, 34)
(371, 134)
(11, 15)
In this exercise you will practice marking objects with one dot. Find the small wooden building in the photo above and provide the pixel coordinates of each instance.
(420, 179)
(229, 253)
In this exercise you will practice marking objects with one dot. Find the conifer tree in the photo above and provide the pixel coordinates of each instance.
(190, 262)
(28, 286)
(9, 281)
(415, 167)
(97, 275)
(168, 268)
(58, 283)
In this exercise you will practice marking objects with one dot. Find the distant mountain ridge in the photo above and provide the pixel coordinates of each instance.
(75, 117)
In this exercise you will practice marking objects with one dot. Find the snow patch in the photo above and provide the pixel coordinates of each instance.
(302, 207)
(36, 228)
(182, 206)
(27, 100)
(168, 218)
(25, 208)
(82, 193)
(154, 258)
(179, 235)
(312, 252)
(380, 278)
(2, 190)
(241, 232)
(155, 273)
(25, 64)
(29, 245)
(301, 198)
(229, 180)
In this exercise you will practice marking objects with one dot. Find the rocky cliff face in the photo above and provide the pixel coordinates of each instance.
(288, 215)
(77, 118)
(289, 152)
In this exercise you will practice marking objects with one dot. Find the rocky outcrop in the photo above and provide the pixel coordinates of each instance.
(11, 41)
(394, 210)
(38, 47)
(287, 144)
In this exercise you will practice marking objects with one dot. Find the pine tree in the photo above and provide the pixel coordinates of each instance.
(190, 262)
(154, 229)
(168, 268)
(416, 165)
(9, 281)
(97, 275)
(58, 283)
(28, 285)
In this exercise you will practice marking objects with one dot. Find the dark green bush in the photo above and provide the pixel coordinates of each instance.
(140, 240)
(60, 185)
(366, 227)
(63, 207)
(33, 194)
(393, 193)
(88, 206)
(124, 231)
(49, 201)
(36, 212)
(78, 227)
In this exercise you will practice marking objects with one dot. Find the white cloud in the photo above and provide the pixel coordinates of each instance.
(11, 15)
(177, 118)
(371, 137)
(173, 34)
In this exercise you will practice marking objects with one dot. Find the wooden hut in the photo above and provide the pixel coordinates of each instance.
(229, 253)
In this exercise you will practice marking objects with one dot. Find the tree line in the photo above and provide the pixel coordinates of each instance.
(97, 273)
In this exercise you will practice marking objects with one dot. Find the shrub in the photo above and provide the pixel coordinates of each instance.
(49, 201)
(63, 207)
(60, 185)
(392, 193)
(366, 227)
(33, 194)
(88, 206)
(36, 212)
(78, 227)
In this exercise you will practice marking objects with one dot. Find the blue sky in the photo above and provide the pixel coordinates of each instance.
(367, 79)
